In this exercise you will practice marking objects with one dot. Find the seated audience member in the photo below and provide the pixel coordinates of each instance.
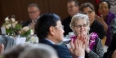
(80, 26)
(7, 41)
(34, 13)
(50, 31)
(95, 26)
(15, 51)
(111, 52)
(39, 51)
(73, 8)
(107, 18)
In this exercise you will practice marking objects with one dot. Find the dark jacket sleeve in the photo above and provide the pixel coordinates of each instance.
(111, 48)
(63, 52)
(26, 23)
(66, 23)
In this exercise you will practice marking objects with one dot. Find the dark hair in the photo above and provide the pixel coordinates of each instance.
(84, 5)
(104, 1)
(44, 23)
(15, 51)
(76, 2)
(33, 4)
(38, 51)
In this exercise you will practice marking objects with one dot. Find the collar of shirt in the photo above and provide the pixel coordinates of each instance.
(50, 41)
(80, 57)
(35, 19)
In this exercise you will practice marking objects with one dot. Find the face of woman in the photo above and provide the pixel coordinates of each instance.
(90, 13)
(103, 9)
(81, 27)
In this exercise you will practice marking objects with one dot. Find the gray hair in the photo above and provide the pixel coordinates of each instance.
(79, 17)
(39, 51)
(15, 51)
(33, 5)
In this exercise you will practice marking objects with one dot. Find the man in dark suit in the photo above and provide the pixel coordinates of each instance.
(50, 31)
(73, 9)
(34, 13)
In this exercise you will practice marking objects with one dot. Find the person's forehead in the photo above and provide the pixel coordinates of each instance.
(80, 21)
(71, 3)
(32, 8)
(87, 9)
(103, 4)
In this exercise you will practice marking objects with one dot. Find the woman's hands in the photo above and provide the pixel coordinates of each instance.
(87, 49)
(78, 46)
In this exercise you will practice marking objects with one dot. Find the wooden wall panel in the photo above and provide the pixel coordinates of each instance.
(59, 8)
(1, 16)
(8, 9)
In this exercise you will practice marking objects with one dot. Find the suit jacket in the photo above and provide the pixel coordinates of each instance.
(62, 51)
(111, 48)
(66, 23)
(26, 23)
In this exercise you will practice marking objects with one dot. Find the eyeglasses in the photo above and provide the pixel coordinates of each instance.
(79, 26)
(89, 12)
(60, 27)
(71, 6)
(32, 12)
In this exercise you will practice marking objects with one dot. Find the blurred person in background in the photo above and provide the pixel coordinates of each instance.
(95, 26)
(15, 51)
(107, 19)
(39, 51)
(72, 8)
(34, 14)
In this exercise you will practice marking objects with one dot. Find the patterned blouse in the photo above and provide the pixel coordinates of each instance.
(97, 51)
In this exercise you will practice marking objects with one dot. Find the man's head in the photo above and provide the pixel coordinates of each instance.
(34, 11)
(49, 26)
(15, 51)
(39, 51)
(73, 7)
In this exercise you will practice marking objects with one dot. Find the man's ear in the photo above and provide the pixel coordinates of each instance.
(52, 30)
